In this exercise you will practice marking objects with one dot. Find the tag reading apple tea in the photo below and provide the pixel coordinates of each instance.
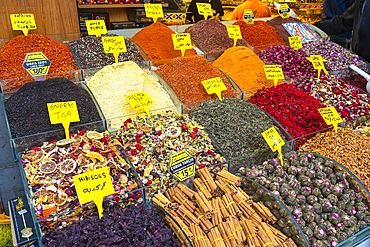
(273, 72)
(284, 11)
(94, 186)
(96, 27)
(248, 16)
(115, 45)
(214, 85)
(274, 141)
(181, 41)
(234, 32)
(23, 22)
(331, 117)
(153, 10)
(63, 113)
(37, 65)
(318, 63)
(204, 9)
(140, 100)
(295, 42)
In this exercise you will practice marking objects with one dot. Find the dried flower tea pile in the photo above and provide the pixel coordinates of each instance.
(323, 200)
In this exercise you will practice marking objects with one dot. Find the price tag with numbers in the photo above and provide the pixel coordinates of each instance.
(153, 10)
(204, 9)
(23, 22)
(96, 27)
(63, 113)
(248, 16)
(37, 65)
(214, 85)
(115, 45)
(318, 63)
(331, 117)
(182, 165)
(140, 100)
(284, 11)
(273, 72)
(274, 141)
(234, 32)
(295, 42)
(181, 41)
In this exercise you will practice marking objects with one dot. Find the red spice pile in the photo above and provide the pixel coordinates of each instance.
(294, 109)
(12, 55)
(259, 35)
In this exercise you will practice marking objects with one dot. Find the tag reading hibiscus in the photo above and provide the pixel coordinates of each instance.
(115, 45)
(23, 22)
(234, 32)
(214, 85)
(295, 42)
(249, 16)
(318, 63)
(182, 165)
(63, 113)
(284, 11)
(273, 72)
(96, 27)
(37, 65)
(275, 141)
(153, 10)
(331, 116)
(140, 100)
(94, 186)
(181, 41)
(204, 9)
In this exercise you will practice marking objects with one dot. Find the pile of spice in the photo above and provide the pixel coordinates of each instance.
(259, 35)
(212, 36)
(150, 141)
(111, 84)
(185, 76)
(235, 124)
(277, 24)
(347, 147)
(156, 41)
(89, 52)
(218, 209)
(129, 226)
(322, 197)
(294, 109)
(244, 67)
(27, 110)
(13, 53)
(50, 169)
(338, 58)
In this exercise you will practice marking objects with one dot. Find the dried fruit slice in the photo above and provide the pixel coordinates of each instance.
(48, 147)
(95, 155)
(86, 147)
(64, 142)
(97, 144)
(94, 135)
(192, 151)
(41, 193)
(123, 178)
(37, 157)
(48, 167)
(67, 166)
(145, 128)
(173, 132)
(60, 199)
(77, 139)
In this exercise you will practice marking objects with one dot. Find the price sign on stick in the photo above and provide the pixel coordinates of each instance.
(96, 27)
(234, 32)
(295, 42)
(182, 165)
(249, 16)
(204, 9)
(115, 45)
(331, 117)
(274, 140)
(23, 22)
(63, 113)
(318, 63)
(140, 100)
(214, 85)
(284, 11)
(273, 72)
(94, 186)
(37, 65)
(153, 10)
(181, 41)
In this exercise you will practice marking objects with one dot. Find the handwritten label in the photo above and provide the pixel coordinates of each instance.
(96, 27)
(234, 32)
(284, 10)
(182, 165)
(331, 117)
(94, 186)
(214, 85)
(295, 42)
(153, 10)
(181, 41)
(249, 16)
(318, 63)
(273, 72)
(63, 113)
(204, 9)
(274, 141)
(140, 100)
(115, 45)
(23, 22)
(37, 65)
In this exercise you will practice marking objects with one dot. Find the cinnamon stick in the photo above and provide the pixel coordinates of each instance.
(205, 224)
(184, 189)
(187, 216)
(182, 200)
(200, 186)
(208, 180)
(229, 178)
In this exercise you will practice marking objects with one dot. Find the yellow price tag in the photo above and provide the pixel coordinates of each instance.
(115, 45)
(153, 10)
(248, 16)
(331, 116)
(214, 85)
(234, 32)
(94, 186)
(63, 113)
(318, 63)
(96, 27)
(284, 11)
(23, 22)
(182, 165)
(273, 72)
(204, 9)
(274, 141)
(295, 42)
(140, 100)
(181, 41)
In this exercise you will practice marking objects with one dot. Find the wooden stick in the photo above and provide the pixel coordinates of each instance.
(184, 189)
(202, 188)
(229, 178)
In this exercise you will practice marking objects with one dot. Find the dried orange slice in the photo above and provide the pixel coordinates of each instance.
(28, 155)
(48, 147)
(77, 139)
(48, 167)
(192, 151)
(41, 193)
(95, 155)
(97, 144)
(37, 157)
(123, 178)
(145, 128)
(173, 132)
(47, 212)
(64, 142)
(67, 166)
(60, 199)
(94, 135)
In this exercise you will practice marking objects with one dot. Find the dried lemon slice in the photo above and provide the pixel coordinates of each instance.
(94, 135)
(173, 132)
(41, 193)
(48, 167)
(97, 144)
(145, 128)
(64, 142)
(67, 166)
(37, 157)
(60, 199)
(95, 155)
(48, 147)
